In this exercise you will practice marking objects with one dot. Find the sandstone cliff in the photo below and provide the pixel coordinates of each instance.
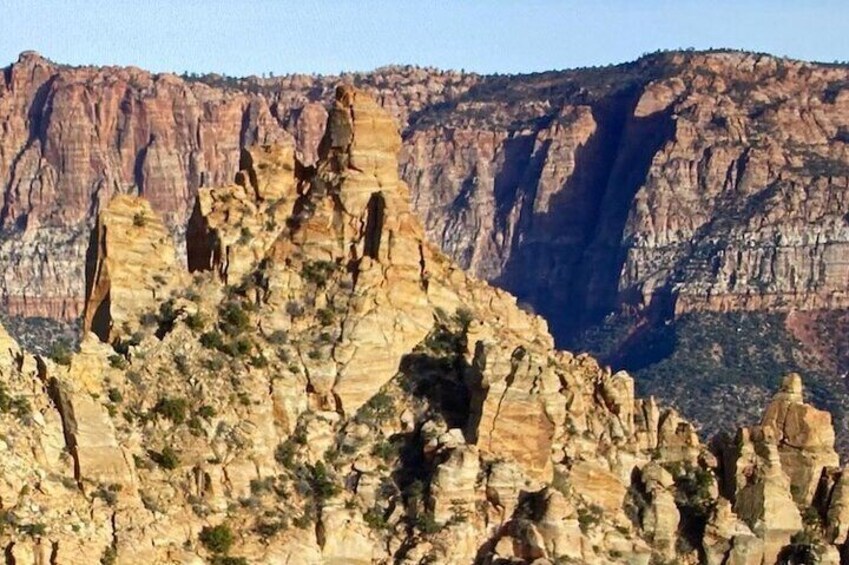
(334, 389)
(688, 181)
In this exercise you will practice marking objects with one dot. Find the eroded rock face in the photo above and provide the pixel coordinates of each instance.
(231, 228)
(805, 438)
(130, 267)
(693, 181)
(729, 540)
(75, 137)
(335, 389)
(764, 498)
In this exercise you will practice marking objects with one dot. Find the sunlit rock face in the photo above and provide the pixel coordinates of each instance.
(321, 384)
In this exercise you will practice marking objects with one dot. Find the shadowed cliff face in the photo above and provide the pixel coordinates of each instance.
(691, 181)
(580, 220)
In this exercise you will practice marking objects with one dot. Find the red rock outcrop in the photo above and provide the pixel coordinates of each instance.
(688, 181)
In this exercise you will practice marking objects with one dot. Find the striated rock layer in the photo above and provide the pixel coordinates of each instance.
(681, 182)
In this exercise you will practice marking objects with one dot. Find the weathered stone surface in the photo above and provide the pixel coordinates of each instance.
(90, 435)
(346, 538)
(453, 490)
(129, 268)
(661, 519)
(805, 438)
(355, 397)
(558, 527)
(728, 539)
(643, 173)
(763, 498)
(598, 485)
(691, 181)
(838, 510)
(232, 227)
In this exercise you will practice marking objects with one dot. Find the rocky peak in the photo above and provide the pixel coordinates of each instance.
(131, 266)
(804, 436)
(232, 227)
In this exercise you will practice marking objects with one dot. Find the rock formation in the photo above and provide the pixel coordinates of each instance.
(691, 183)
(332, 388)
(130, 267)
(694, 180)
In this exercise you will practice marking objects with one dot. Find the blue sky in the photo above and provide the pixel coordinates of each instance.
(241, 37)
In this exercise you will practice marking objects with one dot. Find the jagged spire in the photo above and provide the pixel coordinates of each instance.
(130, 266)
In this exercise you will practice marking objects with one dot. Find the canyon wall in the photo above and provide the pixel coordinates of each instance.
(332, 388)
(682, 181)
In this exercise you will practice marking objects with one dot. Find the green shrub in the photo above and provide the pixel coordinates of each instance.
(294, 309)
(245, 236)
(317, 272)
(195, 322)
(33, 530)
(60, 352)
(114, 395)
(811, 517)
(167, 314)
(375, 519)
(212, 340)
(260, 486)
(117, 362)
(321, 485)
(213, 363)
(259, 361)
(167, 458)
(379, 409)
(304, 521)
(278, 337)
(5, 399)
(109, 494)
(122, 346)
(195, 426)
(139, 219)
(17, 405)
(242, 346)
(217, 539)
(463, 317)
(285, 453)
(21, 407)
(443, 342)
(589, 517)
(206, 412)
(109, 557)
(325, 316)
(385, 449)
(173, 409)
(233, 318)
(228, 560)
(148, 319)
(266, 529)
(181, 362)
(426, 523)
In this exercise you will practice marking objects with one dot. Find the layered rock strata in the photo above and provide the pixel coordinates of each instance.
(691, 181)
(341, 391)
